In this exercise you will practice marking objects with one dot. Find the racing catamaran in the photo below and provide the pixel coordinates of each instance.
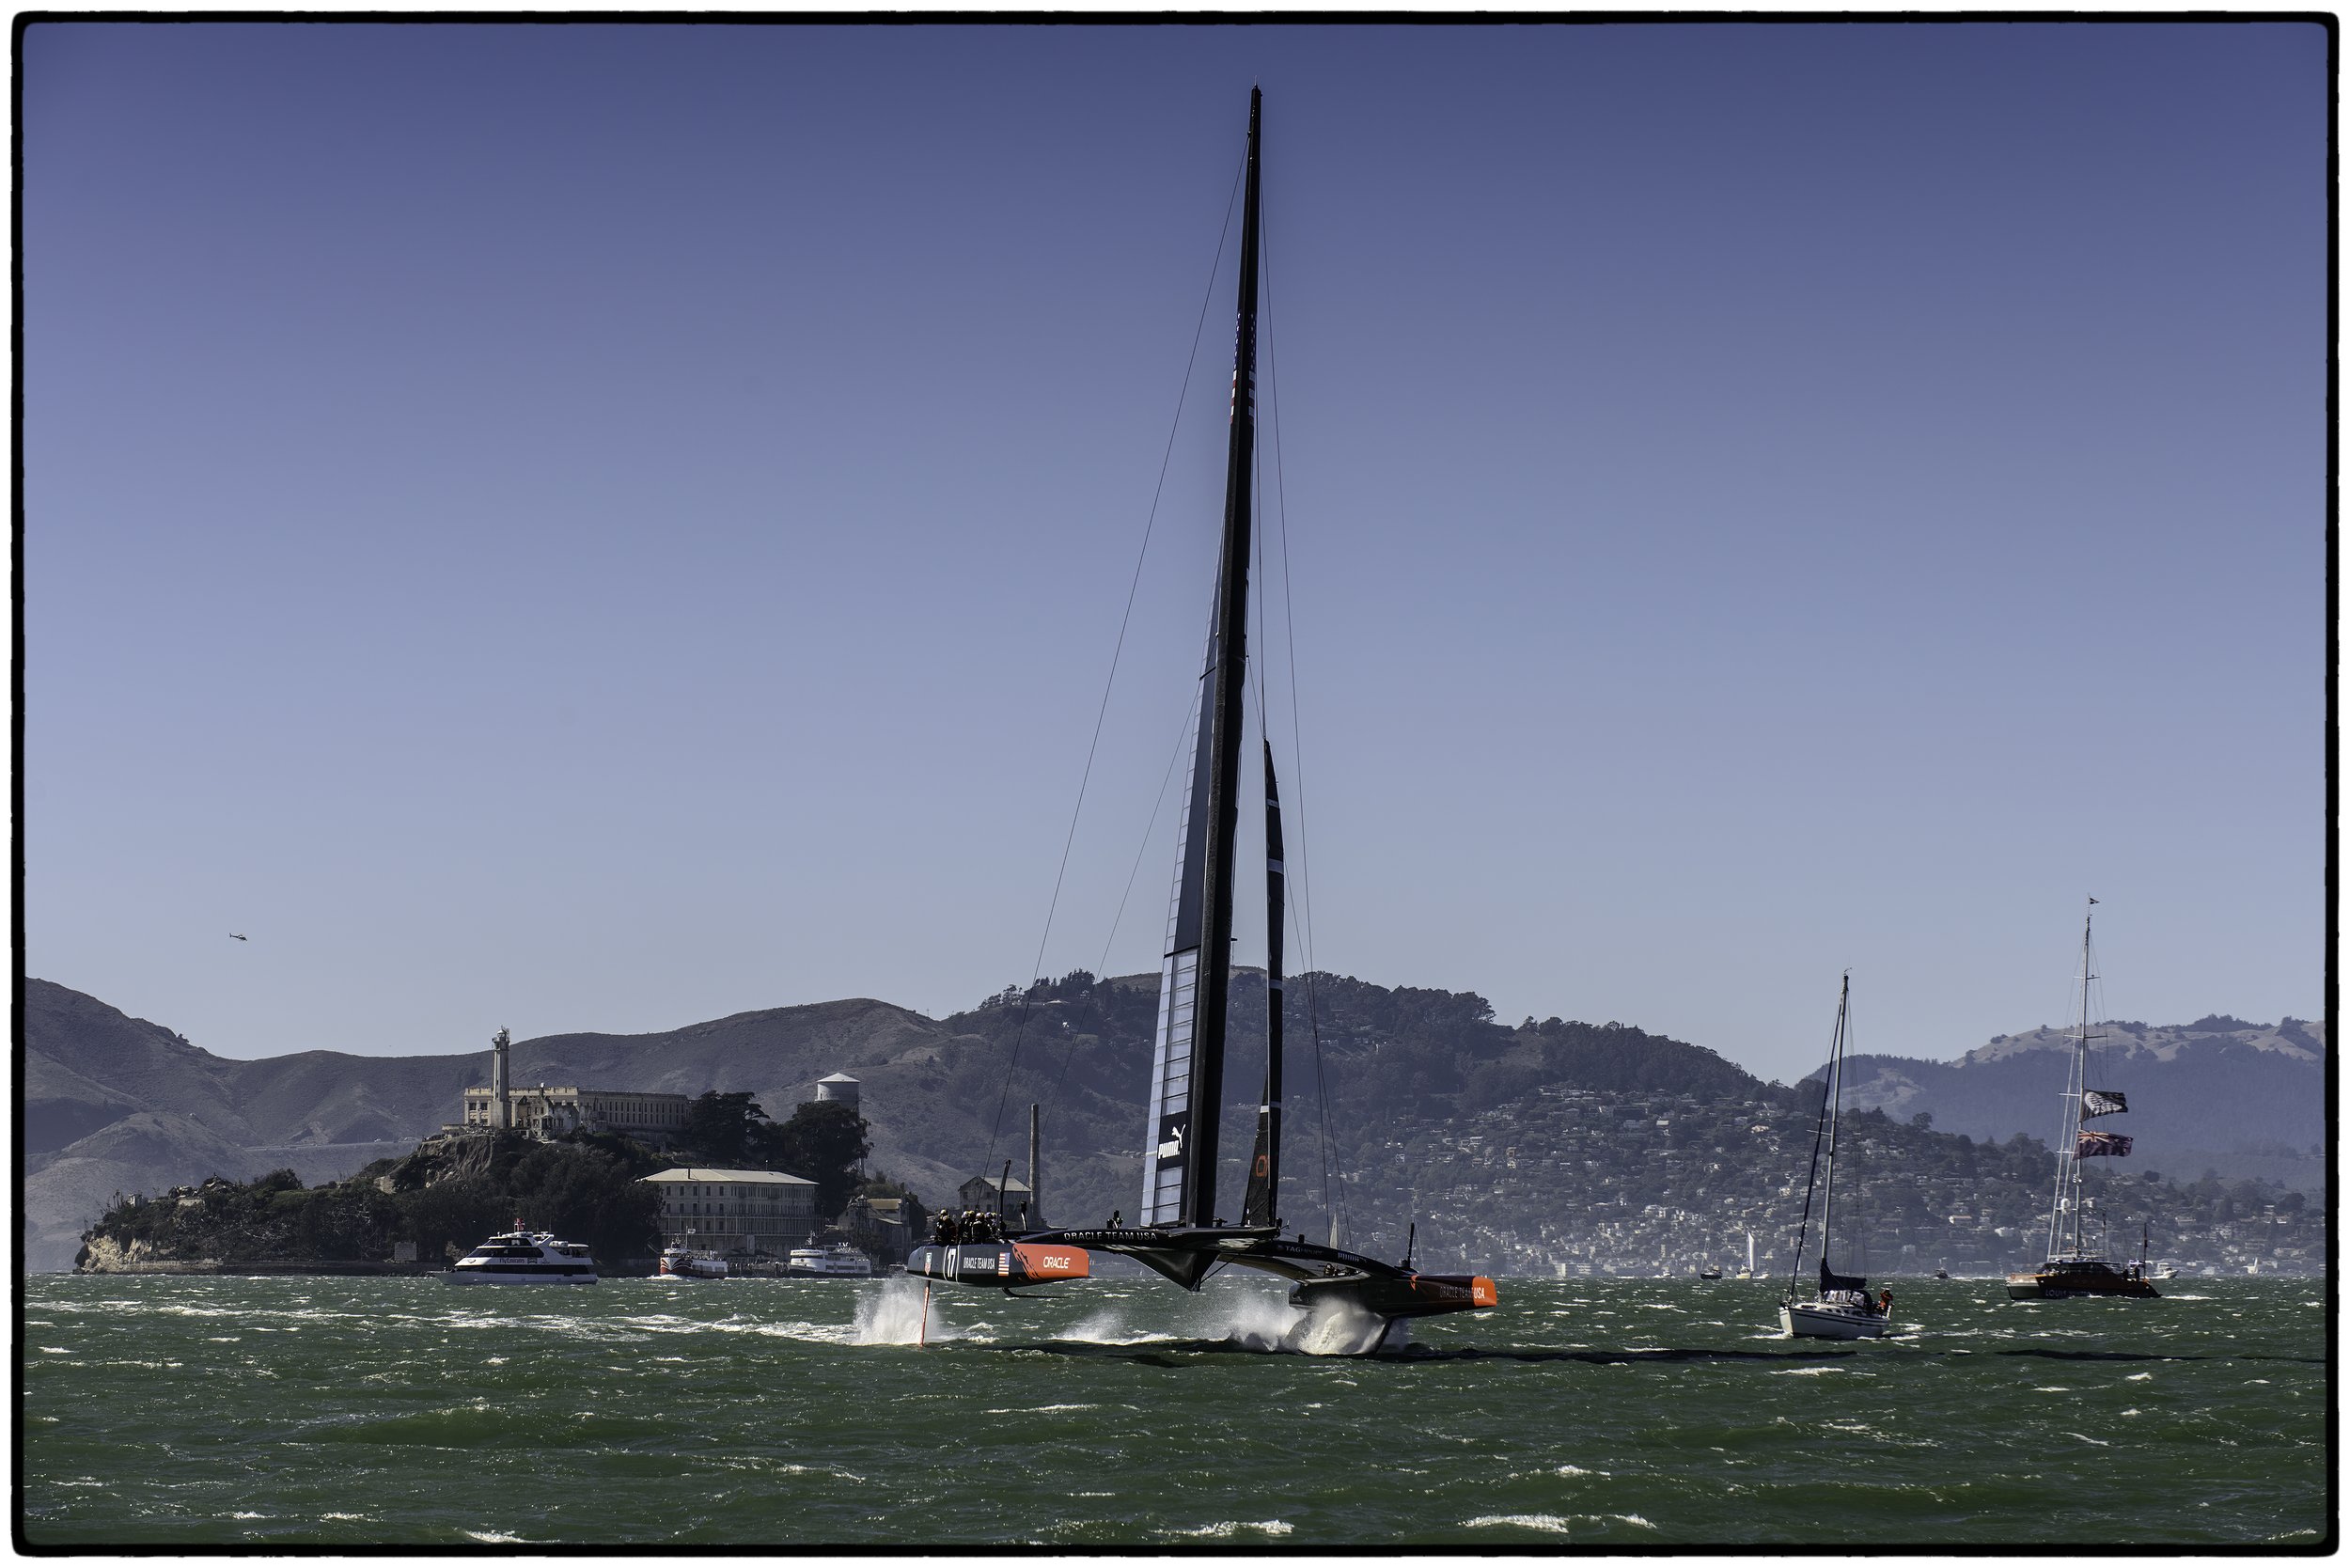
(1180, 1229)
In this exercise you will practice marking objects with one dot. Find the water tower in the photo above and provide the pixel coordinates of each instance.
(839, 1086)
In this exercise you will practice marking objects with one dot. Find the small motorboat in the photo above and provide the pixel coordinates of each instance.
(680, 1262)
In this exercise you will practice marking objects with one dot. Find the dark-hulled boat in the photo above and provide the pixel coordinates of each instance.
(2076, 1264)
(1180, 1232)
(2061, 1277)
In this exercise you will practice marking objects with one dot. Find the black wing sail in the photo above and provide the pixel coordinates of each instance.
(1263, 1204)
(1187, 1058)
(1179, 1232)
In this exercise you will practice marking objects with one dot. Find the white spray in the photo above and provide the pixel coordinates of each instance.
(1260, 1322)
(893, 1315)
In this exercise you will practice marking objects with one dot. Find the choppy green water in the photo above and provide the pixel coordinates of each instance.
(1635, 1413)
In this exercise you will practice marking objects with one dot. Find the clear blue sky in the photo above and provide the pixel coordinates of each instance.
(599, 527)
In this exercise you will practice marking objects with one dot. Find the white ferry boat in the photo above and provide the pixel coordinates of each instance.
(838, 1262)
(525, 1257)
(678, 1263)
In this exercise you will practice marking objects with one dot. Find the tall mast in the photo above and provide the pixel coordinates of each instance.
(1188, 1068)
(1836, 1110)
(2080, 1077)
(2068, 1186)
(1228, 678)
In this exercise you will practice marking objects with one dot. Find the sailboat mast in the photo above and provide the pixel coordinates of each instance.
(2068, 1183)
(1836, 1111)
(2080, 1080)
(1220, 721)
(1187, 1065)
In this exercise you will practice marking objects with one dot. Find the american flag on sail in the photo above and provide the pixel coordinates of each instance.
(2100, 1143)
(2103, 1102)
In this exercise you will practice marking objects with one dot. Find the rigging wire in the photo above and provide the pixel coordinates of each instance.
(1174, 760)
(1102, 965)
(1028, 992)
(1333, 1198)
(1819, 1133)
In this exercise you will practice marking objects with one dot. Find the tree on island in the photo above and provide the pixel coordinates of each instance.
(825, 1141)
(728, 1129)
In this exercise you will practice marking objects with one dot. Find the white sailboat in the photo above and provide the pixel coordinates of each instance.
(1841, 1309)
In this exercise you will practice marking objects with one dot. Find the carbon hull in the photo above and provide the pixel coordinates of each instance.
(1317, 1275)
(999, 1265)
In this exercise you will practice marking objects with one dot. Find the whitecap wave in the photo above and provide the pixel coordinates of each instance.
(1107, 1327)
(1551, 1522)
(1227, 1528)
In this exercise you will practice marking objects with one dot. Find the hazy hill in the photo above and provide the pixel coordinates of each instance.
(2239, 1098)
(119, 1102)
(115, 1102)
(1518, 1145)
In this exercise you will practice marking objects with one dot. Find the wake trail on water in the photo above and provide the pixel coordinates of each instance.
(1108, 1326)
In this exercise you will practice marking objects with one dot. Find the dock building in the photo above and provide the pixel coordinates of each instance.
(752, 1213)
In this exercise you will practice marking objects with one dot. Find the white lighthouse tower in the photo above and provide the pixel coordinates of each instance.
(501, 1102)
